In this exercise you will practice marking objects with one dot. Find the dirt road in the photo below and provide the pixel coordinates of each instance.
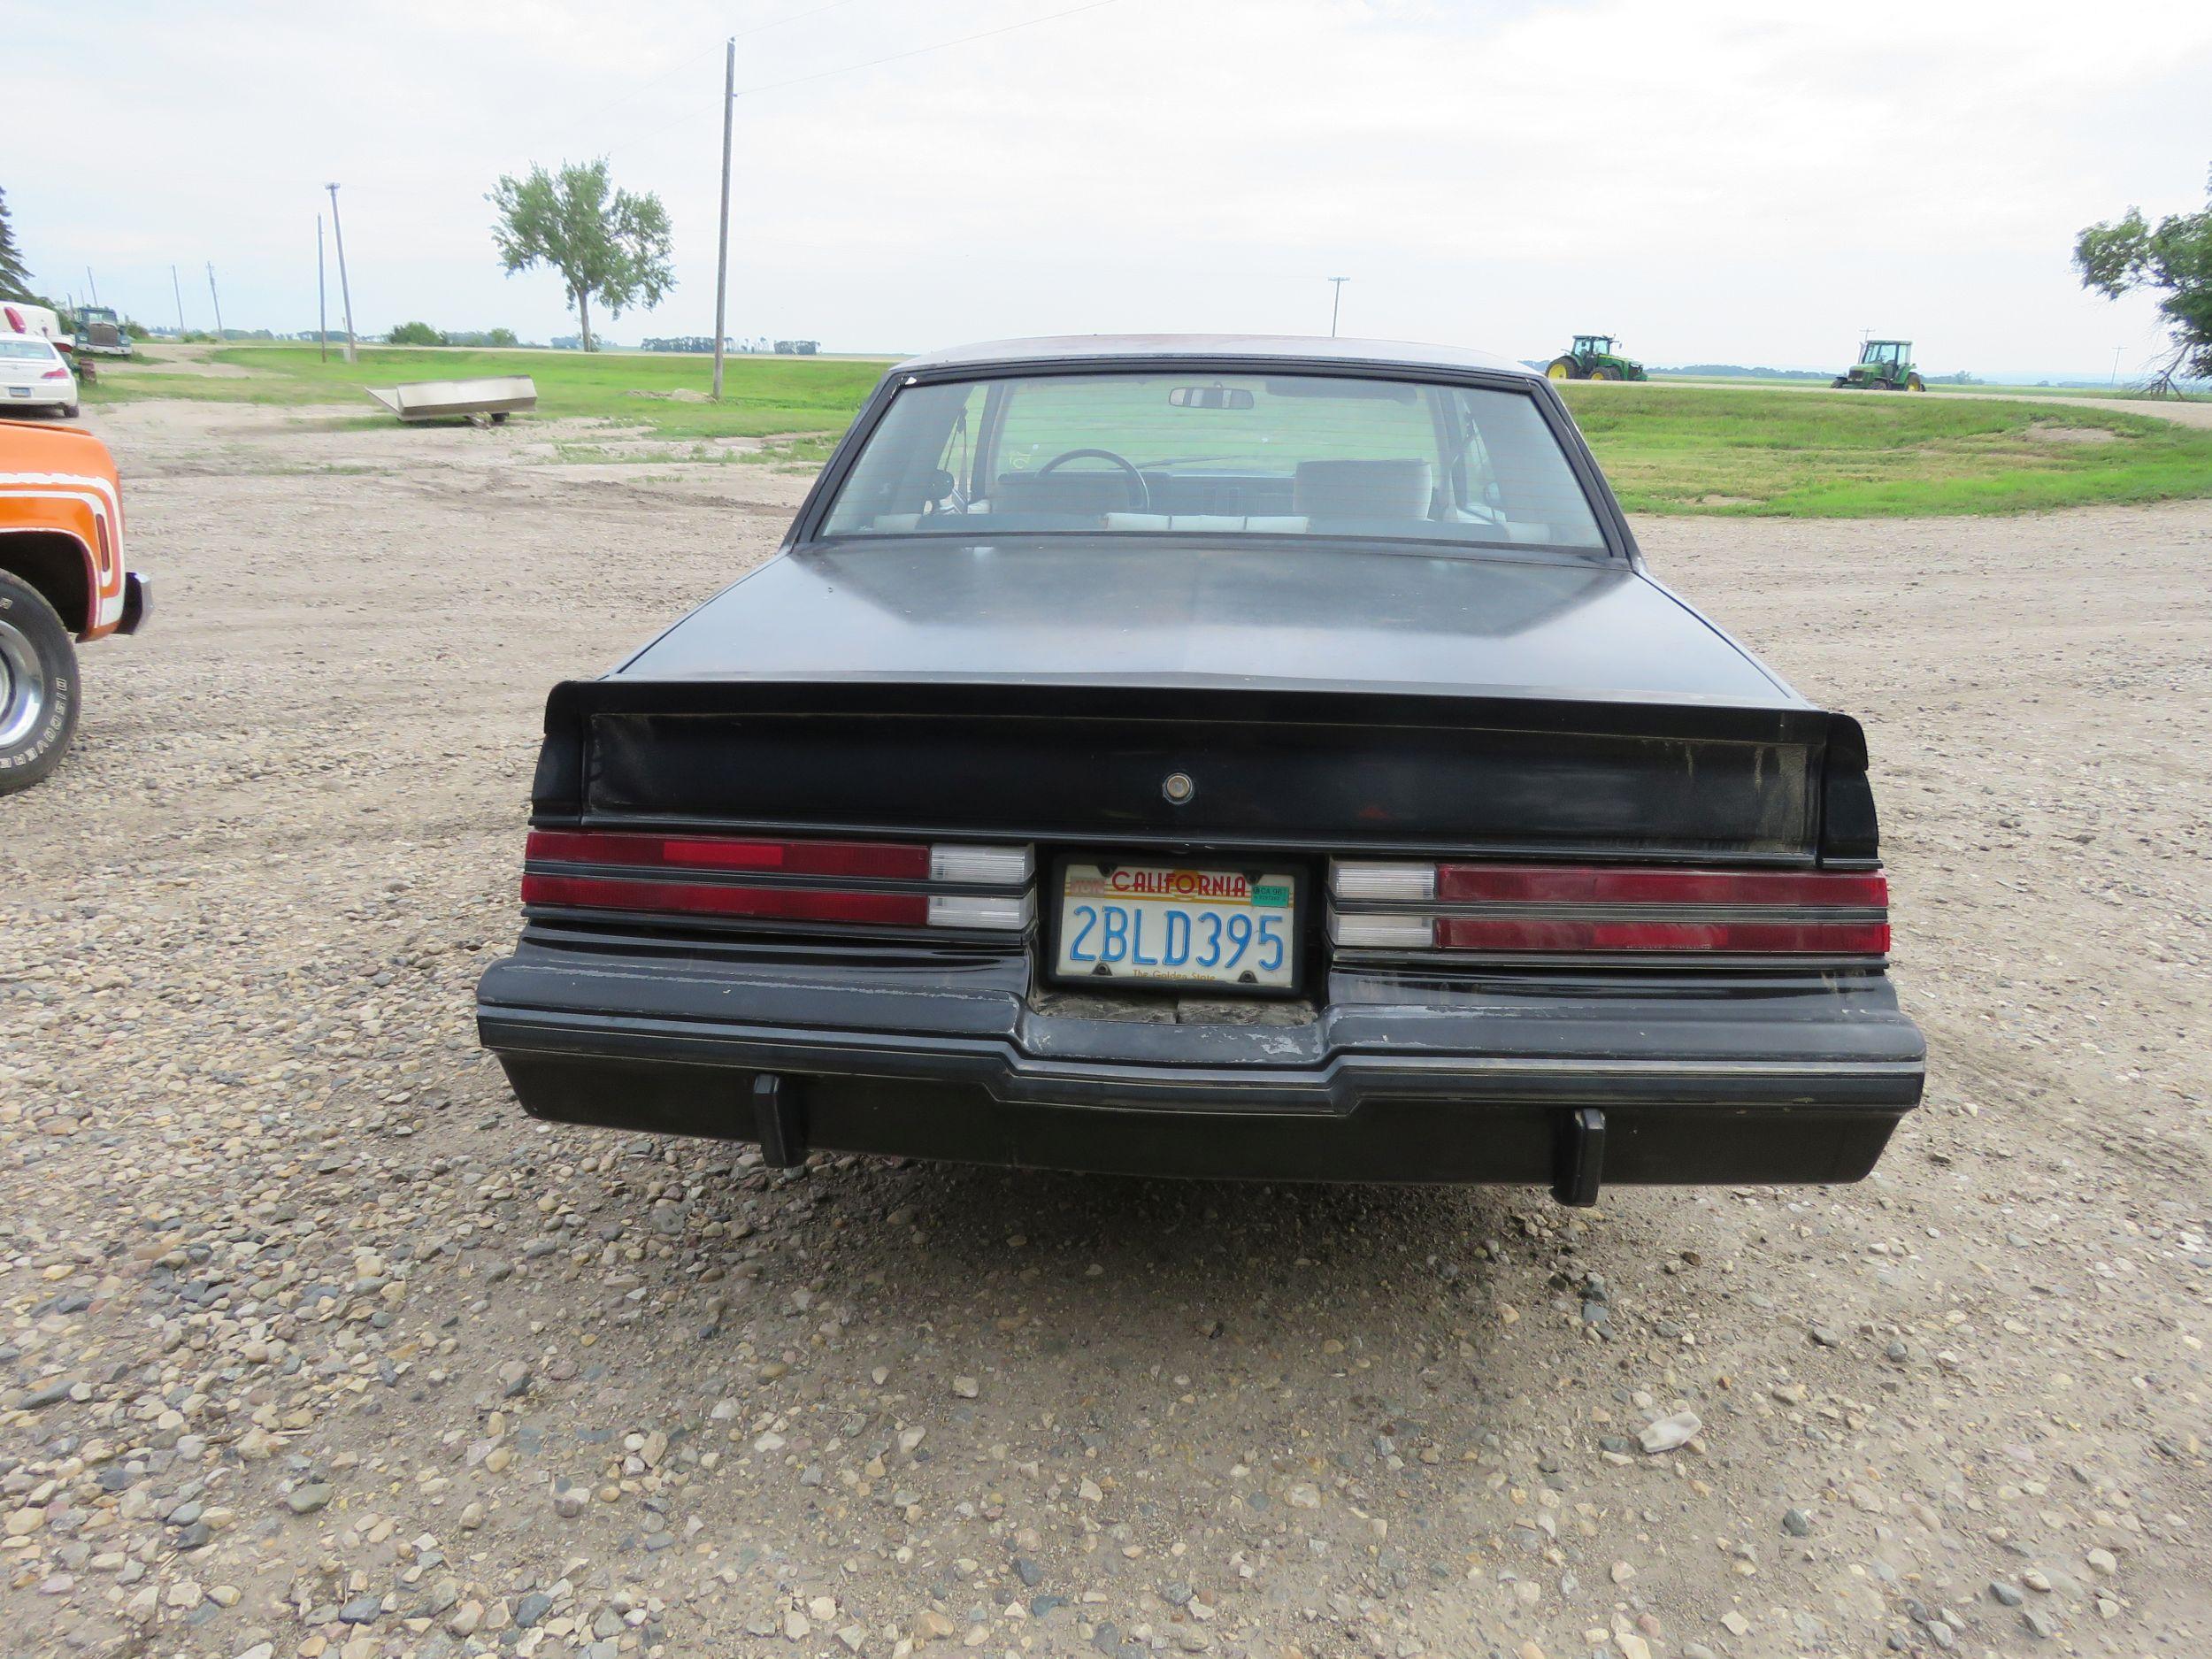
(310, 1344)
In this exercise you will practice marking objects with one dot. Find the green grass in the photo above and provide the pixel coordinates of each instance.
(761, 395)
(1854, 454)
(1666, 448)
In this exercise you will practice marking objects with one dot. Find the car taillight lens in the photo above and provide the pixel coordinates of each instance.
(889, 884)
(57, 373)
(1554, 910)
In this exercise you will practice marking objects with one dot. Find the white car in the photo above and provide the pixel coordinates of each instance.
(34, 375)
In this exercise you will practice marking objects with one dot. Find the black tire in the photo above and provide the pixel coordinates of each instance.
(1914, 383)
(38, 686)
(1605, 372)
(1564, 368)
(69, 411)
(1841, 383)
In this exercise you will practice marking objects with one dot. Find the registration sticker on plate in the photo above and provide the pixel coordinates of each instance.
(1167, 925)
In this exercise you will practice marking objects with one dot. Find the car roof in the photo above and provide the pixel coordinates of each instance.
(1274, 348)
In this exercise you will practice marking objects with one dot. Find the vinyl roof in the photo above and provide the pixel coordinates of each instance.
(1308, 348)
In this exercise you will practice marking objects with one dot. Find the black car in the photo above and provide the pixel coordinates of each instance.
(1212, 755)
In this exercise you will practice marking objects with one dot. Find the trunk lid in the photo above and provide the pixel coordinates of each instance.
(1320, 699)
(1072, 765)
(1132, 610)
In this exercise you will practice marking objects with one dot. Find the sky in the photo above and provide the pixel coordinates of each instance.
(1711, 181)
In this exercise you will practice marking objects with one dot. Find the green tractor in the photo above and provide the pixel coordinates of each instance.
(1885, 363)
(1593, 358)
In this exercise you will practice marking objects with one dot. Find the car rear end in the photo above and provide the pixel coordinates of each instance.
(34, 376)
(1453, 937)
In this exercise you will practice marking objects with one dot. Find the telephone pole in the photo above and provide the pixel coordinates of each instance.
(216, 299)
(345, 290)
(322, 305)
(177, 290)
(722, 254)
(1336, 301)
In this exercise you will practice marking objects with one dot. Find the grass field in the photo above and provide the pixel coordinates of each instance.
(763, 396)
(1666, 448)
(1861, 455)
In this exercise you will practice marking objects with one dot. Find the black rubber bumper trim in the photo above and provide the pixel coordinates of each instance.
(1336, 1087)
(138, 602)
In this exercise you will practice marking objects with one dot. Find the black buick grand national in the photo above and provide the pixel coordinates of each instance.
(1218, 757)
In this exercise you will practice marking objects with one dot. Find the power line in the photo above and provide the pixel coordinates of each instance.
(796, 16)
(637, 92)
(892, 57)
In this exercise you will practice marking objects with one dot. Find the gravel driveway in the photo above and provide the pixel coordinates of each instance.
(311, 1344)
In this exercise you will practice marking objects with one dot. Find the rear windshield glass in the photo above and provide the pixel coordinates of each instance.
(1191, 454)
(25, 348)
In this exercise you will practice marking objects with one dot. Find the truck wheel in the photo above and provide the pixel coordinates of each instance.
(1605, 372)
(1914, 383)
(1564, 369)
(38, 686)
(69, 411)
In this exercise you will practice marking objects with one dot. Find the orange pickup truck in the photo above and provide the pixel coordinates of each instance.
(61, 573)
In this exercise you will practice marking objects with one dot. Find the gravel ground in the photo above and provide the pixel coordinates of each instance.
(311, 1344)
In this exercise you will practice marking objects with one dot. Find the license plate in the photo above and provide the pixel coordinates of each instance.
(19, 391)
(1167, 925)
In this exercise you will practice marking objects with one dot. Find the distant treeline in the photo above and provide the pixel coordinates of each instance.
(1736, 371)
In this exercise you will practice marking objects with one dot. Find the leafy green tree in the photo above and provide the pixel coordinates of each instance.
(607, 244)
(15, 280)
(502, 337)
(2173, 259)
(414, 334)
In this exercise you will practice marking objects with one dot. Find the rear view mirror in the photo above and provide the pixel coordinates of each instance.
(1209, 397)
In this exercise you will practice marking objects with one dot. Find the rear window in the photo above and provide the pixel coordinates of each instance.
(21, 347)
(1183, 453)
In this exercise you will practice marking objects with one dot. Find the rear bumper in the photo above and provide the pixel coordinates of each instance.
(1795, 1081)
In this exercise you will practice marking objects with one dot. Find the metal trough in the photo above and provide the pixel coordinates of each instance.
(479, 401)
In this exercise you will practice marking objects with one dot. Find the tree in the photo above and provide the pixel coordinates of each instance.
(2172, 258)
(606, 243)
(414, 334)
(15, 281)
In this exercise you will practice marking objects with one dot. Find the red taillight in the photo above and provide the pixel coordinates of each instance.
(58, 372)
(887, 861)
(1533, 884)
(691, 898)
(1763, 939)
(1537, 909)
(886, 884)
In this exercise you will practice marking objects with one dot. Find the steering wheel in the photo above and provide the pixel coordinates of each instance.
(1140, 493)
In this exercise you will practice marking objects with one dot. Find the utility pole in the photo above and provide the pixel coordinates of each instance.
(89, 283)
(216, 299)
(177, 290)
(2116, 350)
(322, 305)
(722, 254)
(345, 290)
(1336, 301)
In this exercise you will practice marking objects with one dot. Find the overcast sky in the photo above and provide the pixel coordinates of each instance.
(1715, 182)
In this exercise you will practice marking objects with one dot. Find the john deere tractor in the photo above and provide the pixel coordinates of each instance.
(1593, 358)
(1886, 364)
